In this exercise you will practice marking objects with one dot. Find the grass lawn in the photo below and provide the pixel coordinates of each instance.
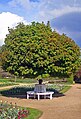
(34, 113)
(11, 82)
(27, 80)
(65, 89)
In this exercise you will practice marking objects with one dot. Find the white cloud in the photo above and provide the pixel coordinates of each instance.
(50, 9)
(46, 14)
(27, 4)
(8, 19)
(64, 10)
(24, 3)
(44, 10)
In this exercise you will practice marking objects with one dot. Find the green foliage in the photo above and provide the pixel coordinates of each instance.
(34, 113)
(70, 79)
(45, 75)
(36, 50)
(65, 89)
(7, 84)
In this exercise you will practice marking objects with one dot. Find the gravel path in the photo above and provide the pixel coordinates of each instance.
(64, 107)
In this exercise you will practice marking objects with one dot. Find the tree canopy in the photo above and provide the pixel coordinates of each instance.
(33, 50)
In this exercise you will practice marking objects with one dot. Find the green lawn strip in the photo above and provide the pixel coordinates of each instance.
(27, 80)
(34, 113)
(8, 84)
(6, 80)
(11, 82)
(65, 89)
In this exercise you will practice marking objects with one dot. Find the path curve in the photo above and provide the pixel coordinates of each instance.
(65, 107)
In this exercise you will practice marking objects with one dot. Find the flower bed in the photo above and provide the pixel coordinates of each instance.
(8, 111)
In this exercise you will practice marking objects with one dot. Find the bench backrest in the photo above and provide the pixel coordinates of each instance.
(40, 88)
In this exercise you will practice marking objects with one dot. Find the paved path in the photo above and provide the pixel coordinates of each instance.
(65, 107)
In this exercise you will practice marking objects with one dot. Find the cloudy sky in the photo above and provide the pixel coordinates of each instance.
(64, 15)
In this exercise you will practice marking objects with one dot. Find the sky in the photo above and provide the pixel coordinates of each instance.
(64, 15)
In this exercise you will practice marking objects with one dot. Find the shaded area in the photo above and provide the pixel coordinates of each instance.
(5, 74)
(20, 92)
(77, 79)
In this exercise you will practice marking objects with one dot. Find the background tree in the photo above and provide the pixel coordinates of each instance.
(35, 49)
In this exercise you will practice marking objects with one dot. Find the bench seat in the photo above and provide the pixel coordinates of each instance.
(34, 94)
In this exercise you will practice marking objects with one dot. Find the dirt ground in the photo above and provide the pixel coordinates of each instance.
(62, 107)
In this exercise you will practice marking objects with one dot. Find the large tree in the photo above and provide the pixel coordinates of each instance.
(35, 49)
